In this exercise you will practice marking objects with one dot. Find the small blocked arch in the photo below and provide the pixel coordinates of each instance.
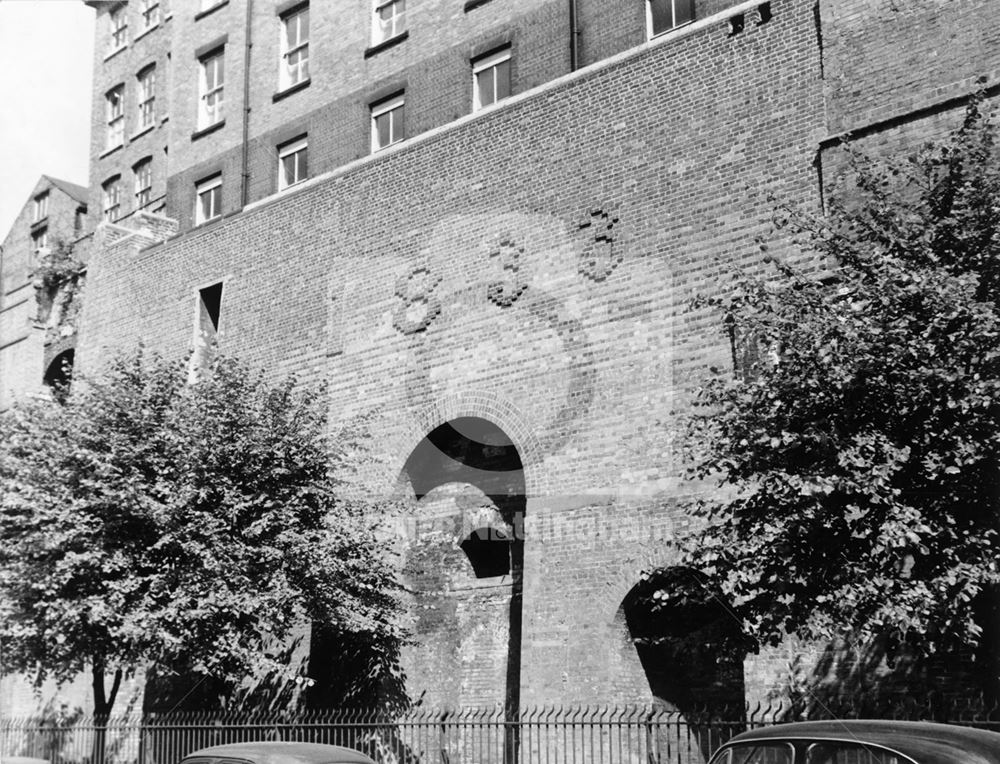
(59, 374)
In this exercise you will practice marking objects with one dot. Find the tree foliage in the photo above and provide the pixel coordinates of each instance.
(858, 447)
(193, 527)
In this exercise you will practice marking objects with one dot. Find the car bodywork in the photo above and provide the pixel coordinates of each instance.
(861, 742)
(276, 753)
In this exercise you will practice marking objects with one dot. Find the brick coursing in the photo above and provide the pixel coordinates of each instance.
(533, 266)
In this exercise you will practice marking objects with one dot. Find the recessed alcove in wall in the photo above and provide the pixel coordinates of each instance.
(466, 584)
(476, 452)
(59, 375)
(689, 643)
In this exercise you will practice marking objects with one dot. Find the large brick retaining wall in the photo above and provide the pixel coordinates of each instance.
(532, 267)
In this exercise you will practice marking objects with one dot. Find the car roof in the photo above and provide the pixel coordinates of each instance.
(925, 742)
(272, 752)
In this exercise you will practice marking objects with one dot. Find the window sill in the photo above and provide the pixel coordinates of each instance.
(146, 31)
(112, 150)
(112, 53)
(207, 130)
(40, 223)
(141, 132)
(202, 14)
(208, 222)
(290, 89)
(386, 147)
(292, 186)
(653, 36)
(473, 4)
(386, 44)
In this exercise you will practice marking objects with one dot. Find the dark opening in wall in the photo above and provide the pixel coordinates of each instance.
(736, 24)
(206, 327)
(488, 550)
(689, 644)
(59, 375)
(476, 452)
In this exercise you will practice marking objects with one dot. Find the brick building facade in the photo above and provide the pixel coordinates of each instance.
(37, 329)
(502, 293)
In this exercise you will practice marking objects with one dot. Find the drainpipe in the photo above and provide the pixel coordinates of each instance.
(245, 178)
(574, 33)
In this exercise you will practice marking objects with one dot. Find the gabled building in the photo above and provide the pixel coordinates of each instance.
(38, 329)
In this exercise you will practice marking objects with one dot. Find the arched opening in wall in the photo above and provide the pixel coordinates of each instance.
(465, 566)
(475, 452)
(59, 375)
(690, 645)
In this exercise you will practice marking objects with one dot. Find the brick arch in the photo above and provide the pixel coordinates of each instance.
(485, 405)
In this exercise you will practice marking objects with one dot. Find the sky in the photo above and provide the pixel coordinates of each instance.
(46, 61)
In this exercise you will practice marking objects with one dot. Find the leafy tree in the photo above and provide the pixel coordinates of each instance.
(858, 446)
(191, 527)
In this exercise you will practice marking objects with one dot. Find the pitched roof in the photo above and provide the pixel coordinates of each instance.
(78, 192)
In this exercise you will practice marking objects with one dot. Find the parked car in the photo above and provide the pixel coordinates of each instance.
(861, 742)
(276, 753)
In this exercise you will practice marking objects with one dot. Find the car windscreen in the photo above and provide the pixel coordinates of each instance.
(756, 753)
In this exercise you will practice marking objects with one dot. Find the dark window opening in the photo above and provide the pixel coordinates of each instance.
(665, 15)
(59, 375)
(488, 550)
(736, 24)
(207, 327)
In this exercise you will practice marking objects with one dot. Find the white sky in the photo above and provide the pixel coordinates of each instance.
(46, 58)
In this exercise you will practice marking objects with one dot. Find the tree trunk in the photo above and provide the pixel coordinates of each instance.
(103, 702)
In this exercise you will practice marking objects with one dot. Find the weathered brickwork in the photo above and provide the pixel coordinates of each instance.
(924, 51)
(27, 334)
(530, 267)
(531, 276)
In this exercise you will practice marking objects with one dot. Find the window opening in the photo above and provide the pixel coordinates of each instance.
(664, 15)
(112, 198)
(116, 116)
(388, 123)
(211, 93)
(119, 27)
(208, 205)
(294, 48)
(150, 13)
(41, 210)
(490, 79)
(389, 20)
(293, 163)
(146, 96)
(143, 182)
(40, 239)
(206, 330)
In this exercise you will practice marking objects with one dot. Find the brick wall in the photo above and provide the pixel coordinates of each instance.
(532, 266)
(580, 353)
(923, 50)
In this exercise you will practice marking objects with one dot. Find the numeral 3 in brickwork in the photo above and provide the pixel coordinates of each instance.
(507, 253)
(600, 255)
(420, 305)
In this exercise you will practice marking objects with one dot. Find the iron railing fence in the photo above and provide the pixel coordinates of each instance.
(626, 734)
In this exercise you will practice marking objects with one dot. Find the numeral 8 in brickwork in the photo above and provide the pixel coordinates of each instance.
(420, 306)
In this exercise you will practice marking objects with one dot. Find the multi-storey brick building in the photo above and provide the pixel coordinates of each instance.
(481, 222)
(37, 331)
